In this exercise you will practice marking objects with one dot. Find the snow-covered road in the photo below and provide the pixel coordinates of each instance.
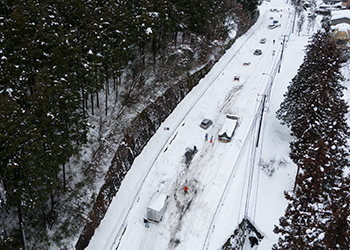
(218, 175)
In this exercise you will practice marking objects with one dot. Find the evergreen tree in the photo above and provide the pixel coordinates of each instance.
(321, 55)
(322, 111)
(316, 115)
(56, 56)
(42, 123)
(304, 225)
(337, 223)
(249, 6)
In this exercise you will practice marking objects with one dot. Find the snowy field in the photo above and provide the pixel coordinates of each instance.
(226, 180)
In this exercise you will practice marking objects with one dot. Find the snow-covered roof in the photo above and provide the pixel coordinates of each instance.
(229, 126)
(331, 1)
(342, 27)
(340, 14)
(331, 6)
(159, 202)
(341, 34)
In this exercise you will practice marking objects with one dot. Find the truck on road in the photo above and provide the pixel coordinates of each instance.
(157, 208)
(229, 128)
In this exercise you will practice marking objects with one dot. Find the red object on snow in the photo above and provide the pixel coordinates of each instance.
(186, 188)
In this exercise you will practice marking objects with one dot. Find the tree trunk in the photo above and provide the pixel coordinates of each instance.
(64, 176)
(86, 102)
(52, 211)
(114, 81)
(46, 221)
(83, 100)
(175, 38)
(92, 104)
(20, 220)
(107, 90)
(118, 84)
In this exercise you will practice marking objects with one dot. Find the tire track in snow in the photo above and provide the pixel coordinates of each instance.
(118, 237)
(248, 138)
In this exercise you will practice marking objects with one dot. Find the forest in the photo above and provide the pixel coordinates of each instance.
(56, 60)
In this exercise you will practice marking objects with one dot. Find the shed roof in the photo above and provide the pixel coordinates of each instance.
(340, 14)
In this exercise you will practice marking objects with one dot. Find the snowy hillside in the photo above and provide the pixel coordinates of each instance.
(227, 182)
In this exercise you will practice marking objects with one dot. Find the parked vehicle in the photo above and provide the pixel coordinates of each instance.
(263, 40)
(228, 129)
(156, 209)
(206, 123)
(273, 26)
(257, 52)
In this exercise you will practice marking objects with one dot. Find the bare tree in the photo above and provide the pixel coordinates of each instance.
(300, 23)
(311, 22)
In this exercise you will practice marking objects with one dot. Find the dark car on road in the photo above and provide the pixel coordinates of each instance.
(206, 123)
(257, 52)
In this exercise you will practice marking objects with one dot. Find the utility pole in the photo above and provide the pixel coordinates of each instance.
(283, 43)
(261, 119)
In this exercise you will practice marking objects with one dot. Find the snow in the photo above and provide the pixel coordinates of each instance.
(226, 180)
(342, 27)
(158, 204)
(149, 31)
(340, 14)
